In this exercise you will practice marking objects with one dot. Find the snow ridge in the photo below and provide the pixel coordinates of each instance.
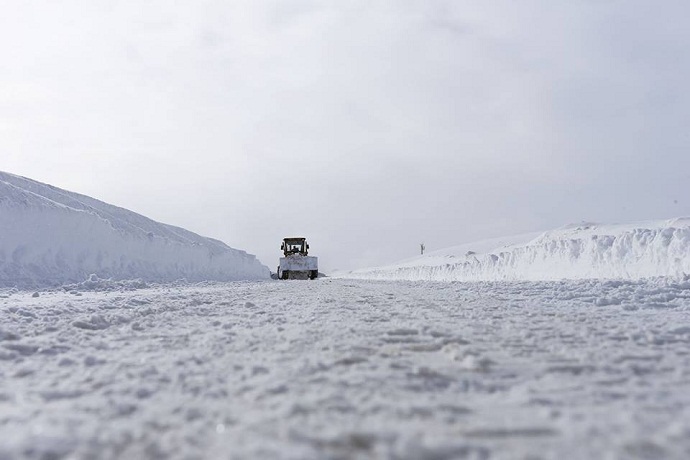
(584, 251)
(49, 237)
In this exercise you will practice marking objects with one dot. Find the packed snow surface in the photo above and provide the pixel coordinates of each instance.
(50, 236)
(583, 251)
(343, 369)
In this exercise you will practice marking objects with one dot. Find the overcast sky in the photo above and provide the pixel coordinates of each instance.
(367, 126)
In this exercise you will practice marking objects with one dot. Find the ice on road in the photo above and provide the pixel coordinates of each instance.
(348, 369)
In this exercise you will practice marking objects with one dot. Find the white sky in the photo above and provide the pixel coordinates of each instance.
(366, 126)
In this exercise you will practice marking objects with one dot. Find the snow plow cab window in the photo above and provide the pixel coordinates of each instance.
(294, 247)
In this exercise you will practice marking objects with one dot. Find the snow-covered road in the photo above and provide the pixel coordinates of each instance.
(348, 369)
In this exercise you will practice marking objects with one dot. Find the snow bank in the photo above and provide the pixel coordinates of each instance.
(50, 237)
(587, 250)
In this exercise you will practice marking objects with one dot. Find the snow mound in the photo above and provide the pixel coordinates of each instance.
(96, 284)
(52, 237)
(576, 251)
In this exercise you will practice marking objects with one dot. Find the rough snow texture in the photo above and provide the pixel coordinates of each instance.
(633, 251)
(50, 236)
(346, 369)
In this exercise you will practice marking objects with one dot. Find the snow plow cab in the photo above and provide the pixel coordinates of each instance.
(296, 263)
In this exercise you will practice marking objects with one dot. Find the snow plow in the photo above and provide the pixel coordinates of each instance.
(296, 263)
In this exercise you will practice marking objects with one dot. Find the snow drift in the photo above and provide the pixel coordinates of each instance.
(631, 251)
(50, 237)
